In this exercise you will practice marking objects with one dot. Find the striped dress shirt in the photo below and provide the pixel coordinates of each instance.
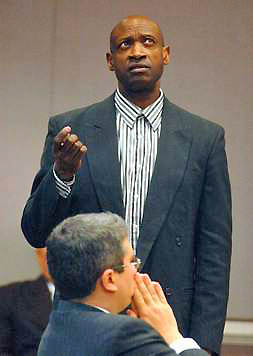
(138, 132)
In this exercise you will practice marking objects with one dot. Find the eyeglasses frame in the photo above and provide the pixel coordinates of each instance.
(136, 264)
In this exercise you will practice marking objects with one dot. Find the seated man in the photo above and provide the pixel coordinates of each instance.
(94, 269)
(24, 312)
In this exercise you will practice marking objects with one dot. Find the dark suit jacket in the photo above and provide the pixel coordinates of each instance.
(24, 314)
(185, 235)
(78, 329)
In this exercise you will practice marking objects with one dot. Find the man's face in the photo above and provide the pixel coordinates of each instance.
(125, 280)
(137, 54)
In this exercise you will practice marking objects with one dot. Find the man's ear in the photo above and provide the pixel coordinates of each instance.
(166, 55)
(108, 280)
(109, 60)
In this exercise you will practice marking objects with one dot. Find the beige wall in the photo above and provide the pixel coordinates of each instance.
(52, 59)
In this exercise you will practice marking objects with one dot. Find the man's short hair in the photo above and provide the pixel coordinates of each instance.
(79, 250)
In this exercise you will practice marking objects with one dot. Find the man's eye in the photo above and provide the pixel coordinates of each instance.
(124, 44)
(149, 41)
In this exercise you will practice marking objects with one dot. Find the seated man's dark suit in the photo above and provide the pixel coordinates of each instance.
(78, 329)
(185, 234)
(24, 312)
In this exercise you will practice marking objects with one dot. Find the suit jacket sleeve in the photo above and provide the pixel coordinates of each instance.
(139, 339)
(213, 251)
(45, 208)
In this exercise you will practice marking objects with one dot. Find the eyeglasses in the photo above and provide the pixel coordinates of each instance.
(136, 263)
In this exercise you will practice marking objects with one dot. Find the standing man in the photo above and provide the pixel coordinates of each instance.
(160, 167)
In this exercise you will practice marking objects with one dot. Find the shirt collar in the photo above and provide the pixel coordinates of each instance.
(102, 309)
(51, 289)
(130, 111)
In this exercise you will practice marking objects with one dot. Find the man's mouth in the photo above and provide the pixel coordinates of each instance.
(138, 68)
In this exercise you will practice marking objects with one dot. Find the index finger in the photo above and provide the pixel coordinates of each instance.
(144, 286)
(62, 135)
(138, 302)
(160, 292)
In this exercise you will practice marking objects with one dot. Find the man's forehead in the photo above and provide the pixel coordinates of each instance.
(133, 25)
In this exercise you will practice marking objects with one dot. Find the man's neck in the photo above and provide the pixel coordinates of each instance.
(96, 303)
(141, 99)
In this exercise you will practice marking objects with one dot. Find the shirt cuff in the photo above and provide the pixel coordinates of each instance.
(184, 344)
(63, 188)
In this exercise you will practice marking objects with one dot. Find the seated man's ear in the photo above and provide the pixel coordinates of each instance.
(108, 280)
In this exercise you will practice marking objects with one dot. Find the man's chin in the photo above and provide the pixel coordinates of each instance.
(140, 86)
(126, 307)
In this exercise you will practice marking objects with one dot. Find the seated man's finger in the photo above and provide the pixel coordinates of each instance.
(133, 311)
(133, 307)
(141, 281)
(160, 292)
(151, 289)
(138, 300)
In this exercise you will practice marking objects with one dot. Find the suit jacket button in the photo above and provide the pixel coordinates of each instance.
(178, 241)
(168, 291)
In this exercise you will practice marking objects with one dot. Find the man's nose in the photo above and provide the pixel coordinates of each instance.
(137, 51)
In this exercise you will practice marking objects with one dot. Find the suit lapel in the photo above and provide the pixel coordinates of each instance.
(172, 155)
(100, 136)
(98, 132)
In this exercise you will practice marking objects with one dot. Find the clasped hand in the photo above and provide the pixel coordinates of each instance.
(149, 304)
